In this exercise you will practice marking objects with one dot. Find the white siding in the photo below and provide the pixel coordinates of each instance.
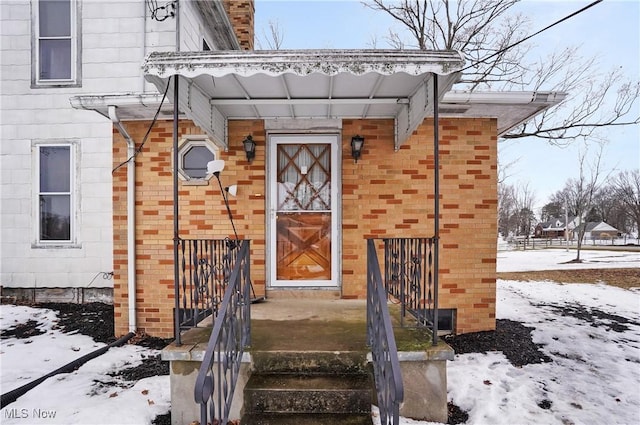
(114, 45)
(191, 35)
(116, 37)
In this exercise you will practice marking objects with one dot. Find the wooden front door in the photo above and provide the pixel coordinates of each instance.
(303, 203)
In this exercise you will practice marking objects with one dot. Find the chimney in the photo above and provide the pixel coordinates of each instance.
(241, 14)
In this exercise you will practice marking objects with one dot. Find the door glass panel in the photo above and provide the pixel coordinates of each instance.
(304, 246)
(303, 236)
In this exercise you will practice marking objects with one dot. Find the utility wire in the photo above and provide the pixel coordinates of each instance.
(532, 35)
(153, 122)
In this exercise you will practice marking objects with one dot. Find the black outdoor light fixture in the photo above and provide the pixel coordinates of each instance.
(357, 142)
(249, 148)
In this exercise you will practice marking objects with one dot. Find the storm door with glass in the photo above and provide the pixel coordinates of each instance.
(303, 210)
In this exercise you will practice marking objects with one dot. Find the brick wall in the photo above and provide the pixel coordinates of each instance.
(241, 14)
(390, 194)
(202, 215)
(384, 194)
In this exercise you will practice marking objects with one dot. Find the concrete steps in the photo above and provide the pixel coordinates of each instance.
(307, 419)
(308, 388)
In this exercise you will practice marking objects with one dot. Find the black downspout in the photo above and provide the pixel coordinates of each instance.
(176, 236)
(436, 204)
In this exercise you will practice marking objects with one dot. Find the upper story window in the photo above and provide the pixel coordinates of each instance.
(55, 193)
(194, 154)
(56, 54)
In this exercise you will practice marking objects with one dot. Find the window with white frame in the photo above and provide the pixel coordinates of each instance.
(56, 55)
(55, 193)
(193, 155)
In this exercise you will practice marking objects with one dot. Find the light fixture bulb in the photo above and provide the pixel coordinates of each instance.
(215, 166)
(232, 190)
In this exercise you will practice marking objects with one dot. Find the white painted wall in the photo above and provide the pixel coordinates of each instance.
(115, 39)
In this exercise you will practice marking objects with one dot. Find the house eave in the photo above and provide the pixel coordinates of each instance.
(131, 106)
(217, 20)
(509, 108)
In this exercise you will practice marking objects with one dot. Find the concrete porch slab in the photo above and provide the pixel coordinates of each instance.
(289, 325)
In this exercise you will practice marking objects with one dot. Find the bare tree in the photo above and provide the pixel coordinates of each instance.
(524, 200)
(515, 209)
(580, 193)
(617, 214)
(489, 35)
(274, 38)
(506, 209)
(607, 207)
(551, 210)
(505, 170)
(627, 185)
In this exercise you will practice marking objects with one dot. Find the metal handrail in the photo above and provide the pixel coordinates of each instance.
(203, 273)
(381, 339)
(220, 368)
(411, 278)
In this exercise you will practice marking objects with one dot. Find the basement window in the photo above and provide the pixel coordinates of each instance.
(446, 321)
(193, 155)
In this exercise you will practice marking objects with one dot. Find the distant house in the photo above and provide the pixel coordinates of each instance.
(554, 228)
(598, 230)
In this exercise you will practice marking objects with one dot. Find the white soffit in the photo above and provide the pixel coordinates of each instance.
(509, 108)
(305, 84)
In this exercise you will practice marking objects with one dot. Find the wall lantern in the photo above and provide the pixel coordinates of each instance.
(357, 142)
(249, 148)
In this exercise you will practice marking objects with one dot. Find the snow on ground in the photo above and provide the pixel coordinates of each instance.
(558, 259)
(595, 373)
(81, 397)
(593, 379)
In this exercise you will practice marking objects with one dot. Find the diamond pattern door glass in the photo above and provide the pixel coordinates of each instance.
(303, 237)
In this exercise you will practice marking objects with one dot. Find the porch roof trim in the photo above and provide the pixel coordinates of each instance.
(246, 63)
(217, 86)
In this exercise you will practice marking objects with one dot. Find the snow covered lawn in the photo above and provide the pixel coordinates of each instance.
(558, 259)
(87, 396)
(591, 332)
(594, 377)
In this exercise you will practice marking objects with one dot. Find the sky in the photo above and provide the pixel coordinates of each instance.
(609, 31)
(592, 377)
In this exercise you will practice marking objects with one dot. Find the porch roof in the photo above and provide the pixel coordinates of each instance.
(217, 86)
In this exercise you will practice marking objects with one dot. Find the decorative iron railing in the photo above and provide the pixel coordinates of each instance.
(204, 270)
(220, 368)
(381, 339)
(411, 278)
